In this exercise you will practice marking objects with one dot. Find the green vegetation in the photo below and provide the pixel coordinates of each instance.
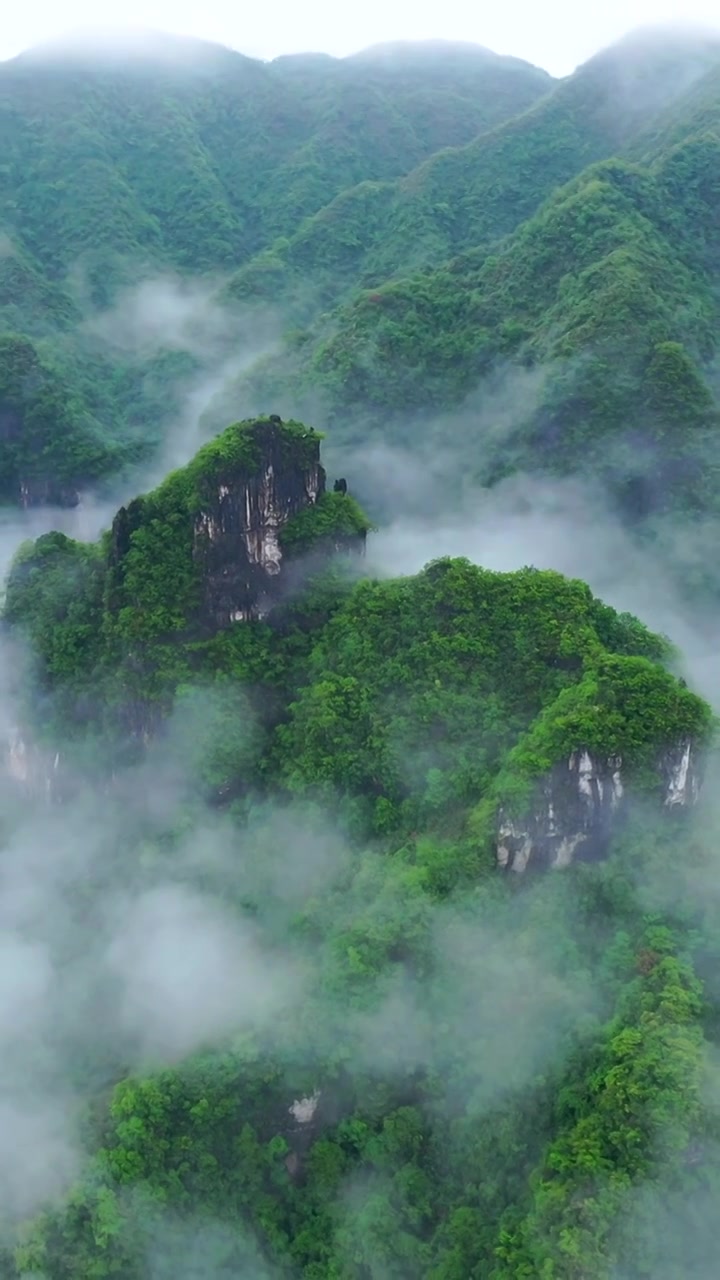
(335, 518)
(495, 1073)
(609, 255)
(192, 160)
(113, 613)
(274, 1009)
(201, 162)
(48, 436)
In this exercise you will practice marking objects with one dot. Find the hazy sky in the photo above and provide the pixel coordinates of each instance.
(557, 34)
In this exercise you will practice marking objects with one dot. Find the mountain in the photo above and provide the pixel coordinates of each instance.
(599, 307)
(621, 246)
(357, 924)
(113, 159)
(255, 179)
(446, 724)
(182, 157)
(470, 196)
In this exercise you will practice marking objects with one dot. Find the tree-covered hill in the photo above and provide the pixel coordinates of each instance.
(354, 926)
(621, 249)
(186, 158)
(377, 1056)
(198, 162)
(258, 180)
(471, 196)
(607, 294)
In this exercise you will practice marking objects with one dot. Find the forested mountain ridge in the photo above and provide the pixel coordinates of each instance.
(189, 158)
(410, 728)
(465, 197)
(622, 246)
(355, 926)
(197, 162)
(628, 247)
(241, 536)
(194, 160)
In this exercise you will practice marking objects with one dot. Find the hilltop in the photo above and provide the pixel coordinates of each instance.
(186, 158)
(485, 217)
(356, 926)
(441, 730)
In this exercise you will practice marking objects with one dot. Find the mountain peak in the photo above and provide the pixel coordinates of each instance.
(119, 45)
(397, 53)
(674, 40)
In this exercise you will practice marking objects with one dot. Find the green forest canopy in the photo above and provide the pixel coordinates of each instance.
(273, 877)
(545, 1044)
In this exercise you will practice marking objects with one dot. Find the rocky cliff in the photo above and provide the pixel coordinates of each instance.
(31, 771)
(217, 544)
(46, 492)
(237, 533)
(582, 802)
(236, 512)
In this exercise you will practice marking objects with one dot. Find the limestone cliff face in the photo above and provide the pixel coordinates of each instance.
(236, 536)
(301, 1132)
(46, 492)
(582, 801)
(33, 771)
(230, 510)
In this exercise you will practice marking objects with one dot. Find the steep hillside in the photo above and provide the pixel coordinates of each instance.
(197, 161)
(183, 159)
(355, 926)
(347, 766)
(50, 442)
(256, 179)
(607, 296)
(238, 538)
(472, 196)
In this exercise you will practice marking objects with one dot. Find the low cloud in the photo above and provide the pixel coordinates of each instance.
(191, 972)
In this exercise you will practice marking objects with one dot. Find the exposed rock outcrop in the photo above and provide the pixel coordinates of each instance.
(582, 801)
(302, 1132)
(232, 507)
(46, 493)
(236, 536)
(29, 767)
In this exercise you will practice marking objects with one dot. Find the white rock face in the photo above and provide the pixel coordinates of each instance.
(29, 766)
(682, 784)
(303, 1109)
(514, 846)
(265, 515)
(579, 803)
(239, 533)
(600, 782)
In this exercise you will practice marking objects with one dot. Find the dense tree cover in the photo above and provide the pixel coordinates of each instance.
(465, 197)
(193, 160)
(354, 1049)
(491, 1075)
(196, 155)
(449, 671)
(50, 441)
(190, 159)
(620, 250)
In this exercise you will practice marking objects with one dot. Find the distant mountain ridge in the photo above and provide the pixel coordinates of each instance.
(187, 158)
(360, 926)
(411, 219)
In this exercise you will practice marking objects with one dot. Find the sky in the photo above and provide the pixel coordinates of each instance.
(557, 35)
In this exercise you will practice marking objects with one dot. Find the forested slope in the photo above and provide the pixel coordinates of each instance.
(195, 156)
(622, 248)
(606, 295)
(470, 196)
(187, 161)
(355, 926)
(377, 1057)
